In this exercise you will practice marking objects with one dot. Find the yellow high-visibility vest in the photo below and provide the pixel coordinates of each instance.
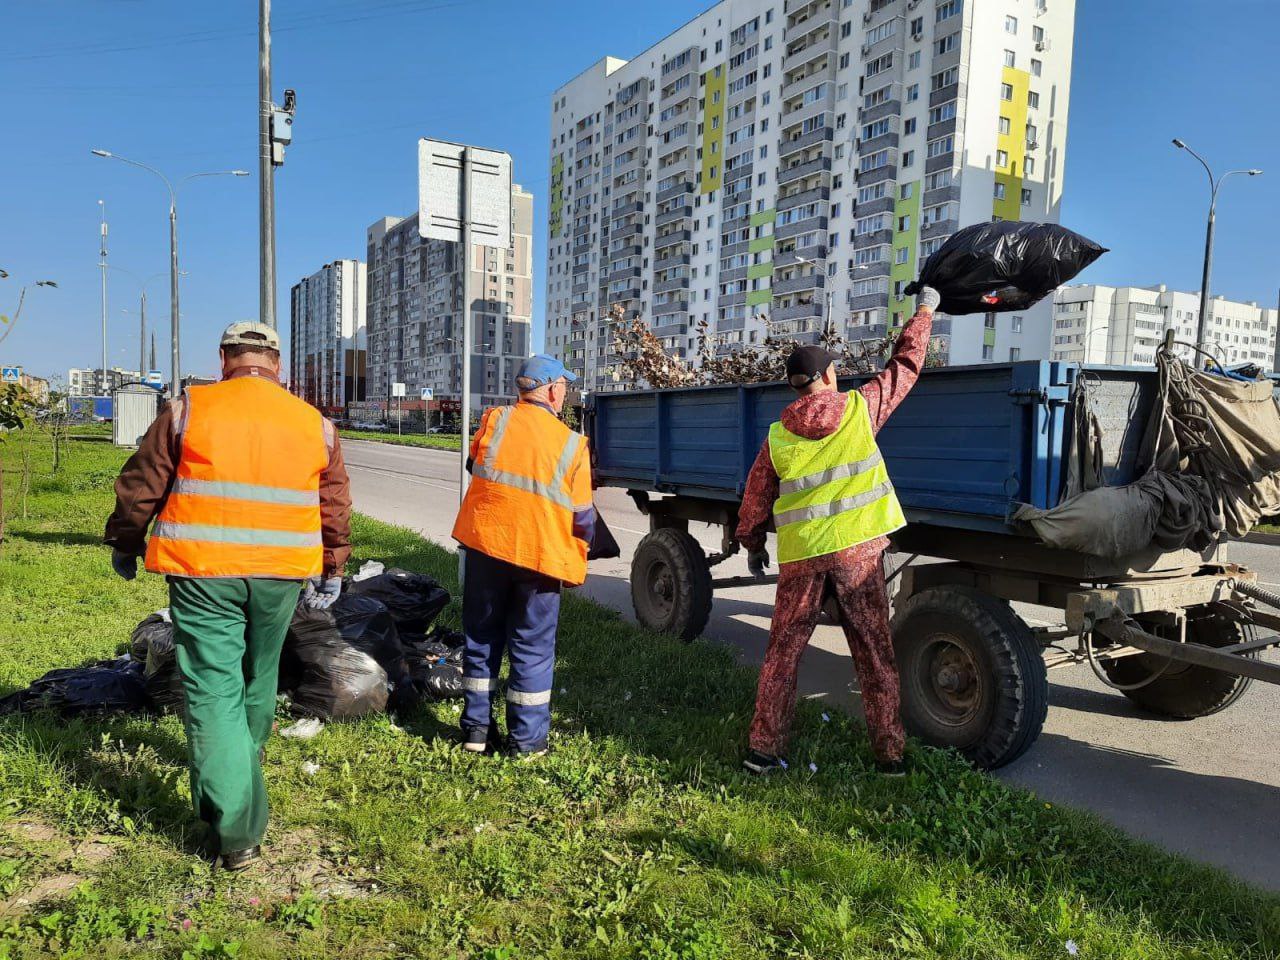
(834, 492)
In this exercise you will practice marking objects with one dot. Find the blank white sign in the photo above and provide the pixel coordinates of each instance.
(440, 212)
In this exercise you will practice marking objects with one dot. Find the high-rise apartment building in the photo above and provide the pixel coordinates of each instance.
(784, 164)
(93, 382)
(415, 310)
(327, 336)
(1125, 325)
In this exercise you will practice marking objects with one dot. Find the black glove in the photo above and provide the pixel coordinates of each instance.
(757, 560)
(124, 564)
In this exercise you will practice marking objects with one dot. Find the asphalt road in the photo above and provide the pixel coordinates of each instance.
(1207, 788)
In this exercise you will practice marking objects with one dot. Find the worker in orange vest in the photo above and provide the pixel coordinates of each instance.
(251, 502)
(526, 523)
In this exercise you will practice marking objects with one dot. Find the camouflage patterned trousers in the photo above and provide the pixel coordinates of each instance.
(857, 584)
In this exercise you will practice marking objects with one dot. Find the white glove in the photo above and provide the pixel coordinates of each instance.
(319, 593)
(928, 299)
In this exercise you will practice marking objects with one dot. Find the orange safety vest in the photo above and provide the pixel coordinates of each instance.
(245, 500)
(529, 474)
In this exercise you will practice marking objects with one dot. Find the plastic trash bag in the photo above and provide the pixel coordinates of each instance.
(414, 599)
(1003, 266)
(152, 643)
(340, 658)
(109, 686)
(441, 681)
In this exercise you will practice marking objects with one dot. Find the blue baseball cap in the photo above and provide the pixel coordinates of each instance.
(541, 369)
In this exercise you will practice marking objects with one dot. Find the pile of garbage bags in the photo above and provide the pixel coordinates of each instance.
(376, 649)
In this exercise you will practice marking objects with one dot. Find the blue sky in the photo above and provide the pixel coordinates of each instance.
(174, 84)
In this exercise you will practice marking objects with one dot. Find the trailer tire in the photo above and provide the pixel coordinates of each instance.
(671, 584)
(1185, 691)
(972, 676)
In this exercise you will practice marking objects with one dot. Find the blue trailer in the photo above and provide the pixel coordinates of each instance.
(966, 447)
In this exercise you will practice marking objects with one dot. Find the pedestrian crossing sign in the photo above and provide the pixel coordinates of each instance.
(10, 374)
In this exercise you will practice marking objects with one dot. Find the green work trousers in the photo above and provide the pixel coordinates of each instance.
(229, 632)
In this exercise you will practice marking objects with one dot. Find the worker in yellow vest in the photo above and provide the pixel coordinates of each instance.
(251, 503)
(821, 482)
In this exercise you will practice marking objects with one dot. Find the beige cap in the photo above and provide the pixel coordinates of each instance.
(251, 334)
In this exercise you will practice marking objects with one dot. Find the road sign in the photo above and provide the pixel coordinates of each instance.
(10, 374)
(397, 389)
(428, 393)
(155, 378)
(440, 193)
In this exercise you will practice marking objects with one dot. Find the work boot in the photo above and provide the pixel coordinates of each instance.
(762, 763)
(238, 860)
(513, 751)
(891, 768)
(478, 740)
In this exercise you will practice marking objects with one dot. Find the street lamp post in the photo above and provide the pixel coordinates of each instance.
(175, 387)
(102, 263)
(142, 313)
(1214, 186)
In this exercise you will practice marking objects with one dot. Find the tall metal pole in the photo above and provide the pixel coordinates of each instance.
(175, 360)
(266, 174)
(465, 257)
(106, 380)
(142, 335)
(1202, 325)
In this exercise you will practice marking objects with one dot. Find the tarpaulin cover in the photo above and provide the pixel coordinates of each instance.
(104, 687)
(1007, 265)
(414, 599)
(336, 656)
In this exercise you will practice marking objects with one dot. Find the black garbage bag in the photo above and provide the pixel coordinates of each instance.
(414, 599)
(338, 663)
(153, 644)
(442, 681)
(108, 686)
(1003, 266)
(441, 643)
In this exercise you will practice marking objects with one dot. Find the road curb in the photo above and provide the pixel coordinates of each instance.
(1265, 539)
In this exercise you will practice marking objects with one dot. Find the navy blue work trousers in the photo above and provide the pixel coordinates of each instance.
(505, 607)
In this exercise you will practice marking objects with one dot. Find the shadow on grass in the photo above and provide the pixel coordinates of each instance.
(688, 705)
(61, 538)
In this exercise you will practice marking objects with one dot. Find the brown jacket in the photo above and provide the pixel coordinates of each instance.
(144, 484)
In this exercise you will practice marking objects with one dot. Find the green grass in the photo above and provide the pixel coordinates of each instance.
(435, 441)
(636, 838)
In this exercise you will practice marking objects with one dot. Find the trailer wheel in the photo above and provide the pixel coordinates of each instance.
(972, 676)
(671, 584)
(1185, 691)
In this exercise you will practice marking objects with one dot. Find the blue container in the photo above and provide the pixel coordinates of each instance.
(965, 447)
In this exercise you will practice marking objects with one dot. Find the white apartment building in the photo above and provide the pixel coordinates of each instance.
(90, 382)
(415, 310)
(327, 347)
(1125, 325)
(781, 164)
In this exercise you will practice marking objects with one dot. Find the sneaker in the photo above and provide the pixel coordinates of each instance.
(478, 740)
(762, 763)
(238, 860)
(513, 752)
(891, 768)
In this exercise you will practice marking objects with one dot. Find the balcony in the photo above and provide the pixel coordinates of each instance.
(941, 195)
(674, 283)
(808, 225)
(622, 209)
(806, 111)
(628, 230)
(936, 130)
(883, 205)
(873, 238)
(671, 216)
(886, 141)
(798, 311)
(888, 172)
(796, 144)
(583, 247)
(869, 301)
(668, 262)
(624, 273)
(945, 161)
(800, 171)
(785, 259)
(674, 191)
(938, 97)
(815, 48)
(812, 281)
(939, 228)
(805, 196)
(672, 238)
(670, 307)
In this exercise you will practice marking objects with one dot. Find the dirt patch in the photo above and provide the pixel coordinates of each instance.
(33, 831)
(301, 860)
(55, 863)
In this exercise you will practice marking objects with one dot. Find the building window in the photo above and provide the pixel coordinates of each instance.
(947, 10)
(1004, 125)
(913, 93)
(1036, 67)
(904, 224)
(1006, 91)
(1009, 58)
(1033, 100)
(947, 44)
(905, 191)
(1015, 353)
(999, 191)
(1037, 34)
(1029, 165)
(1010, 24)
(913, 61)
(909, 127)
(1002, 158)
(1026, 197)
(1016, 323)
(908, 158)
(988, 352)
(989, 321)
(901, 254)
